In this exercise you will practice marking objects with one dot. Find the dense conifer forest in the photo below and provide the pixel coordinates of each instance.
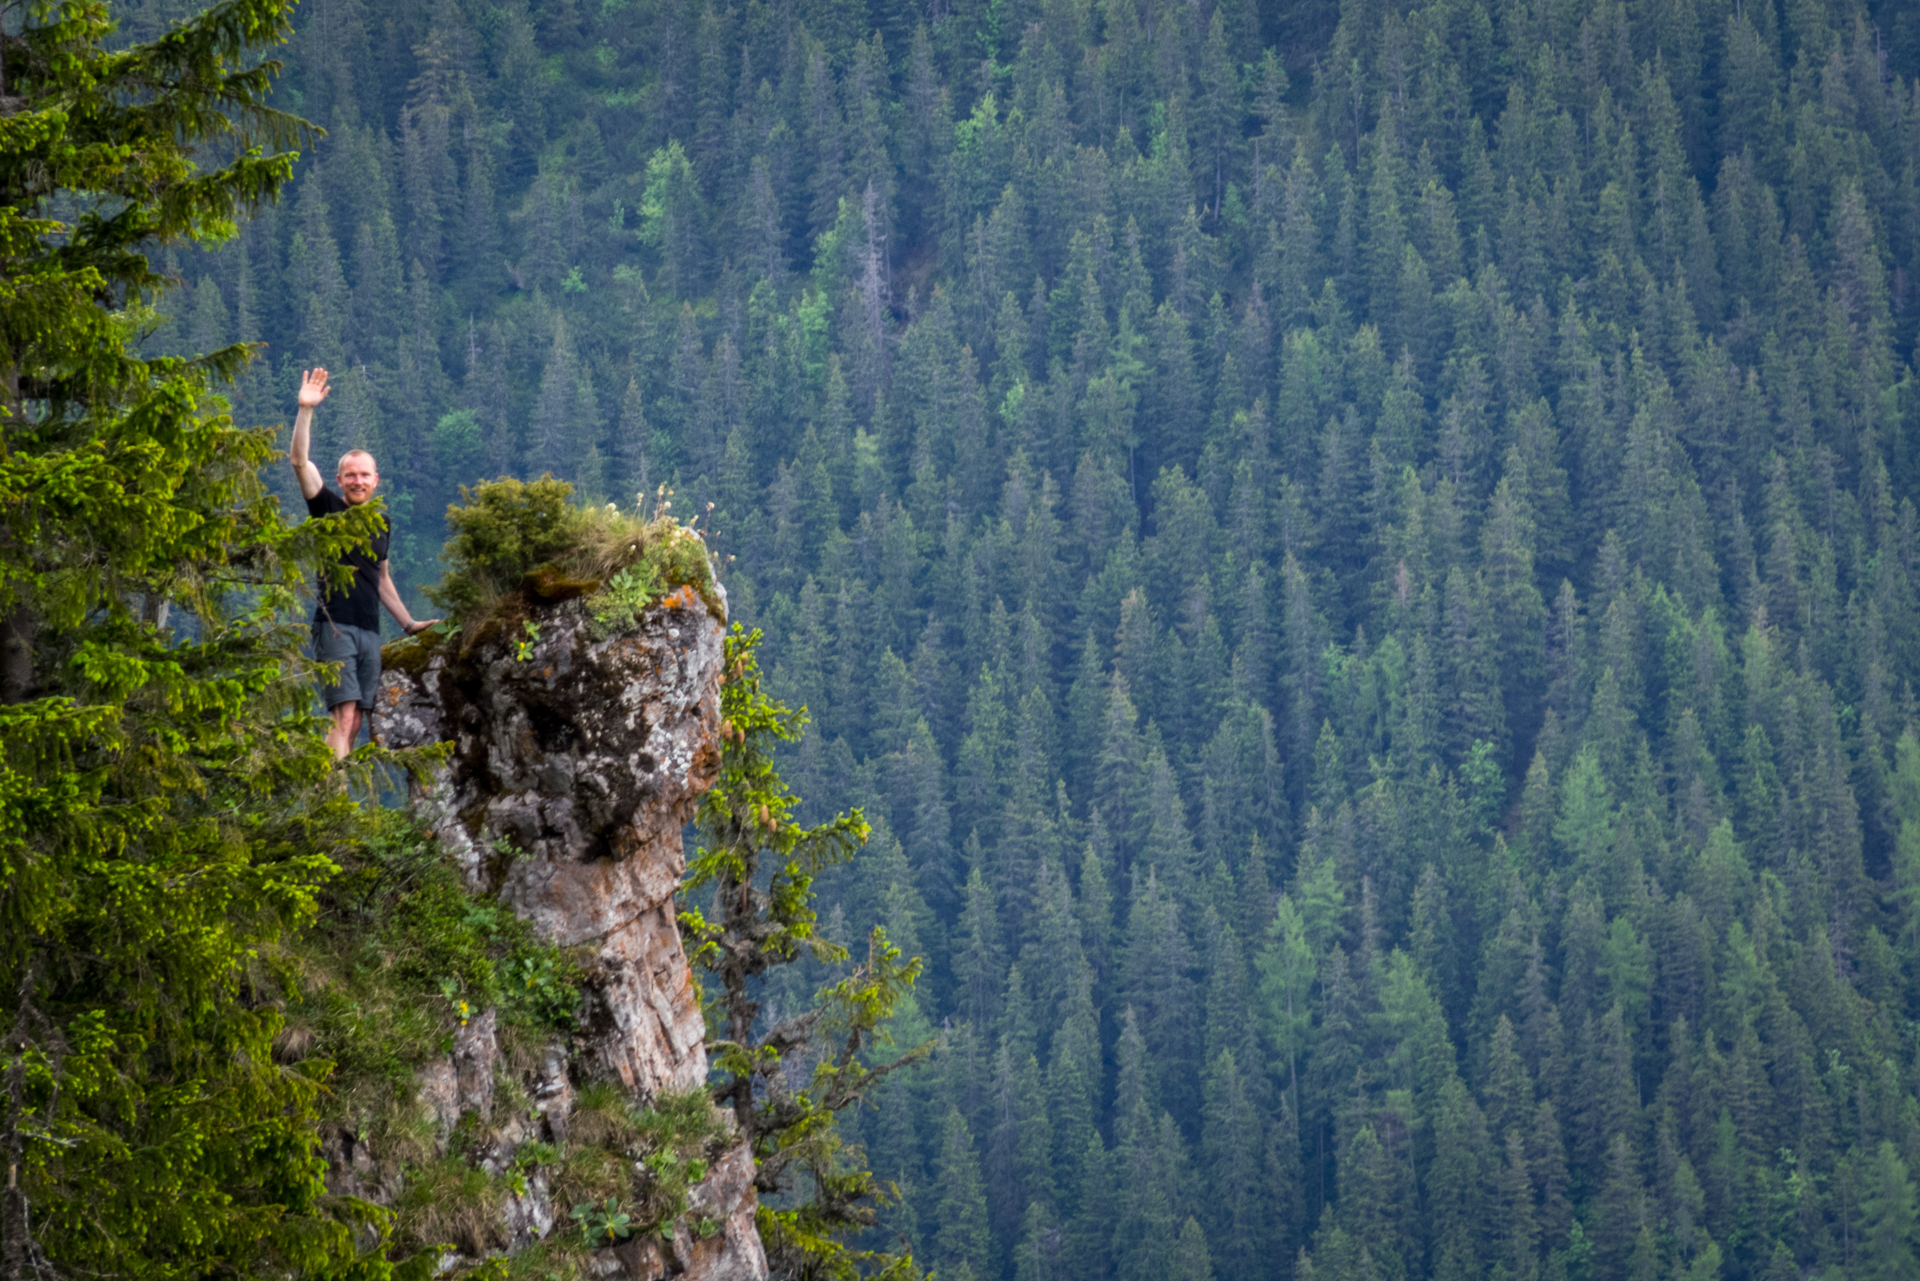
(1361, 560)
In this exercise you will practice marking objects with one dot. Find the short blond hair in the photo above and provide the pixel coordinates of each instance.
(355, 453)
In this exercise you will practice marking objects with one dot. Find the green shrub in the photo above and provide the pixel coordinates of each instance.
(506, 528)
(515, 542)
(542, 984)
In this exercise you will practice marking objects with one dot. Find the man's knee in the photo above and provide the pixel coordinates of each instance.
(345, 727)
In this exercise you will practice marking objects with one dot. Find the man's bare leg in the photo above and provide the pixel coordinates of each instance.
(346, 727)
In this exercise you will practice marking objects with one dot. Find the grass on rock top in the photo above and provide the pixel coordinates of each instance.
(519, 545)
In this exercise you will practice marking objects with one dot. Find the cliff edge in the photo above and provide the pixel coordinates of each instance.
(575, 762)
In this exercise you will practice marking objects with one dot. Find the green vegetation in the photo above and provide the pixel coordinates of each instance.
(1359, 559)
(617, 605)
(673, 1139)
(819, 1190)
(603, 1224)
(516, 543)
(166, 812)
(505, 530)
(402, 956)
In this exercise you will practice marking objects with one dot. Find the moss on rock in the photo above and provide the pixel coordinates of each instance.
(412, 653)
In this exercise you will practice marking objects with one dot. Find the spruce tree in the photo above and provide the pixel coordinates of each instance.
(963, 1238)
(1230, 1151)
(1887, 1218)
(1192, 1261)
(168, 814)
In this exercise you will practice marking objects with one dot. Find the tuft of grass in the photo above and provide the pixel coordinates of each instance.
(646, 1156)
(586, 1172)
(520, 543)
(604, 1116)
(448, 1202)
(562, 1256)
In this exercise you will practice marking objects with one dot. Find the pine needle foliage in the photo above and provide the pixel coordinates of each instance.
(166, 802)
(749, 840)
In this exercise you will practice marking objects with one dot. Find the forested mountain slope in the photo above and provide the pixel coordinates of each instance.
(1361, 561)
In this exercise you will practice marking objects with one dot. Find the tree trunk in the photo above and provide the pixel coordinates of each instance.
(16, 656)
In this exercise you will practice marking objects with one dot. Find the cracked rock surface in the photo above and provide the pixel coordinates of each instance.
(574, 764)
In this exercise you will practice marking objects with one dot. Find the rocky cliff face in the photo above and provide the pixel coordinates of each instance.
(574, 765)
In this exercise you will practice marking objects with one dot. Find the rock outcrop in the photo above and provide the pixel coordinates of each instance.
(574, 764)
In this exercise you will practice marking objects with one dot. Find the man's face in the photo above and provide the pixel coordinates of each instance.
(357, 479)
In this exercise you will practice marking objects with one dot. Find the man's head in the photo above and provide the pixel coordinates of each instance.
(358, 476)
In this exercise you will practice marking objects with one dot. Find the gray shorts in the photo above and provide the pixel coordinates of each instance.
(357, 650)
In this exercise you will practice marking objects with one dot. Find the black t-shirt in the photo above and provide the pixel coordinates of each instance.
(359, 604)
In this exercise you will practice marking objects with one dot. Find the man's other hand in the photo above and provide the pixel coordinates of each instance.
(419, 625)
(313, 387)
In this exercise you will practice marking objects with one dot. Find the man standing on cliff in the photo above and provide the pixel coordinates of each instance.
(346, 622)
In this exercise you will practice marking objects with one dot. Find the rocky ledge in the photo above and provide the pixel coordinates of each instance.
(573, 765)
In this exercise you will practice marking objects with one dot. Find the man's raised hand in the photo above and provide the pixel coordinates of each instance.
(313, 388)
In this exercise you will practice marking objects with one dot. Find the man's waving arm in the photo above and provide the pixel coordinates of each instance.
(313, 390)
